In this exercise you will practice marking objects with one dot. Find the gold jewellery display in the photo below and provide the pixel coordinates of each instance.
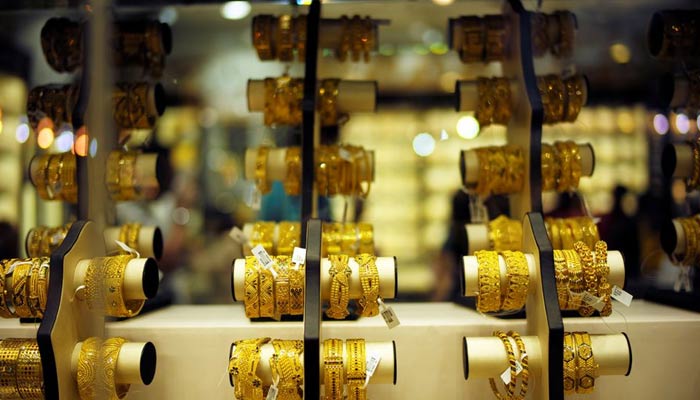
(495, 104)
(357, 37)
(133, 108)
(519, 377)
(554, 32)
(693, 181)
(501, 170)
(505, 233)
(271, 295)
(580, 368)
(54, 177)
(283, 97)
(287, 369)
(121, 178)
(279, 37)
(43, 240)
(96, 372)
(491, 297)
(243, 367)
(21, 374)
(55, 102)
(562, 99)
(483, 39)
(340, 273)
(104, 287)
(561, 166)
(24, 287)
(691, 232)
(581, 270)
(564, 232)
(129, 234)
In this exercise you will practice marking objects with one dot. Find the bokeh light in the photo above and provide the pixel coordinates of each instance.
(660, 124)
(424, 144)
(45, 138)
(235, 9)
(468, 127)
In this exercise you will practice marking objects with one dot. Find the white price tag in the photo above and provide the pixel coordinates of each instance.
(299, 256)
(127, 249)
(272, 392)
(237, 235)
(373, 360)
(392, 321)
(253, 197)
(621, 296)
(344, 154)
(593, 301)
(683, 280)
(264, 259)
(505, 376)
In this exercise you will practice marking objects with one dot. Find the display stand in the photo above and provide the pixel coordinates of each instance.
(150, 241)
(677, 160)
(353, 96)
(312, 310)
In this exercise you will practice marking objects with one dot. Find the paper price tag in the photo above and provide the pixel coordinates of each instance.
(299, 256)
(505, 376)
(621, 296)
(237, 235)
(344, 154)
(683, 280)
(264, 259)
(390, 317)
(253, 198)
(126, 248)
(272, 392)
(593, 301)
(373, 360)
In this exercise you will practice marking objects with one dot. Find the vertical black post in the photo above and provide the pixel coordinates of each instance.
(312, 311)
(78, 120)
(308, 109)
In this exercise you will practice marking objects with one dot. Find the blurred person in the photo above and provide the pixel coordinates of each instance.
(8, 241)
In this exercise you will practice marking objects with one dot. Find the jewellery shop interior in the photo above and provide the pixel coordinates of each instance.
(454, 199)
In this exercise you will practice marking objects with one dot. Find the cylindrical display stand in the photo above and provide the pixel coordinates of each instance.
(146, 175)
(150, 241)
(136, 363)
(140, 278)
(386, 267)
(353, 96)
(471, 272)
(384, 374)
(677, 160)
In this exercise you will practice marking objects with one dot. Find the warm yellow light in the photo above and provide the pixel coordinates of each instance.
(620, 53)
(80, 147)
(443, 2)
(468, 127)
(45, 138)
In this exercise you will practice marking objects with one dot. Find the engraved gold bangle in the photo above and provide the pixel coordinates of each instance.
(339, 296)
(518, 280)
(110, 357)
(603, 272)
(252, 288)
(285, 37)
(262, 36)
(129, 234)
(267, 294)
(510, 386)
(589, 276)
(104, 281)
(575, 91)
(586, 367)
(366, 237)
(570, 369)
(524, 363)
(286, 368)
(564, 180)
(29, 373)
(496, 37)
(328, 102)
(292, 161)
(20, 288)
(289, 237)
(489, 296)
(243, 366)
(263, 234)
(561, 274)
(505, 233)
(261, 169)
(9, 355)
(283, 96)
(296, 290)
(576, 165)
(575, 281)
(5, 310)
(369, 280)
(473, 40)
(281, 287)
(333, 371)
(356, 369)
(88, 365)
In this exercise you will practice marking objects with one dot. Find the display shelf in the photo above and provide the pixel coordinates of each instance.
(193, 344)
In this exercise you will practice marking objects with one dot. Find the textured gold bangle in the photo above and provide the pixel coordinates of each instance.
(366, 238)
(110, 357)
(29, 373)
(489, 296)
(552, 91)
(518, 280)
(570, 368)
(5, 294)
(129, 234)
(332, 237)
(473, 39)
(116, 305)
(576, 165)
(328, 102)
(356, 369)
(262, 36)
(586, 367)
(20, 286)
(9, 355)
(505, 234)
(554, 229)
(292, 161)
(487, 102)
(296, 290)
(369, 280)
(252, 288)
(561, 274)
(261, 169)
(575, 90)
(510, 387)
(285, 44)
(524, 363)
(283, 96)
(243, 367)
(88, 365)
(33, 280)
(289, 237)
(333, 371)
(496, 36)
(345, 39)
(340, 286)
(263, 234)
(564, 159)
(281, 287)
(286, 368)
(603, 272)
(267, 294)
(589, 276)
(575, 281)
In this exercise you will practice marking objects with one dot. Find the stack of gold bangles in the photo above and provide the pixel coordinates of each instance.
(580, 368)
(267, 296)
(561, 166)
(582, 270)
(21, 373)
(491, 297)
(283, 97)
(132, 107)
(43, 240)
(55, 177)
(562, 99)
(693, 181)
(279, 37)
(96, 372)
(517, 355)
(484, 39)
(495, 104)
(505, 233)
(24, 287)
(554, 32)
(340, 273)
(357, 37)
(104, 287)
(55, 102)
(564, 232)
(691, 232)
(120, 176)
(129, 234)
(501, 170)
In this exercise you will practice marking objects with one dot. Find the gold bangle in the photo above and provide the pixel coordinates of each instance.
(263, 234)
(261, 170)
(589, 276)
(518, 280)
(29, 373)
(20, 284)
(285, 44)
(300, 32)
(690, 253)
(281, 288)
(5, 295)
(549, 167)
(328, 102)
(283, 97)
(339, 296)
(104, 281)
(252, 288)
(586, 367)
(369, 280)
(502, 95)
(562, 278)
(243, 367)
(365, 232)
(575, 279)
(510, 387)
(333, 371)
(524, 363)
(267, 293)
(553, 228)
(570, 369)
(349, 240)
(473, 40)
(356, 369)
(603, 272)
(575, 92)
(489, 296)
(487, 102)
(332, 237)
(88, 366)
(129, 234)
(552, 92)
(341, 52)
(130, 106)
(110, 357)
(505, 233)
(496, 37)
(296, 290)
(564, 47)
(286, 368)
(292, 161)
(37, 274)
(576, 165)
(564, 181)
(262, 36)
(9, 356)
(289, 237)
(540, 38)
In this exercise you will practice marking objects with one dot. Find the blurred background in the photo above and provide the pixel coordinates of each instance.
(416, 133)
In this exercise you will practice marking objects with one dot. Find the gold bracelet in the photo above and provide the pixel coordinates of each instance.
(365, 232)
(285, 44)
(693, 180)
(243, 367)
(37, 286)
(252, 288)
(281, 287)
(300, 32)
(20, 283)
(283, 97)
(328, 102)
(603, 272)
(5, 295)
(473, 40)
(369, 280)
(552, 92)
(289, 237)
(88, 365)
(261, 170)
(550, 167)
(349, 240)
(564, 181)
(561, 273)
(262, 36)
(564, 48)
(505, 233)
(29, 373)
(263, 234)
(502, 95)
(570, 369)
(332, 237)
(586, 367)
(9, 356)
(292, 161)
(267, 293)
(356, 369)
(524, 363)
(553, 227)
(104, 281)
(518, 280)
(333, 377)
(339, 296)
(496, 37)
(510, 387)
(110, 357)
(576, 165)
(487, 102)
(296, 290)
(489, 296)
(345, 39)
(575, 279)
(129, 234)
(286, 368)
(575, 91)
(589, 276)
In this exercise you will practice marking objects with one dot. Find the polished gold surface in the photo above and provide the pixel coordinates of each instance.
(339, 295)
(243, 367)
(489, 296)
(333, 370)
(369, 280)
(356, 372)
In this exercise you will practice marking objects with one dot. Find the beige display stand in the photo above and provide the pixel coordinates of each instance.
(133, 286)
(353, 96)
(150, 241)
(384, 374)
(471, 272)
(679, 250)
(471, 163)
(684, 160)
(468, 93)
(146, 176)
(277, 167)
(386, 266)
(488, 357)
(132, 358)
